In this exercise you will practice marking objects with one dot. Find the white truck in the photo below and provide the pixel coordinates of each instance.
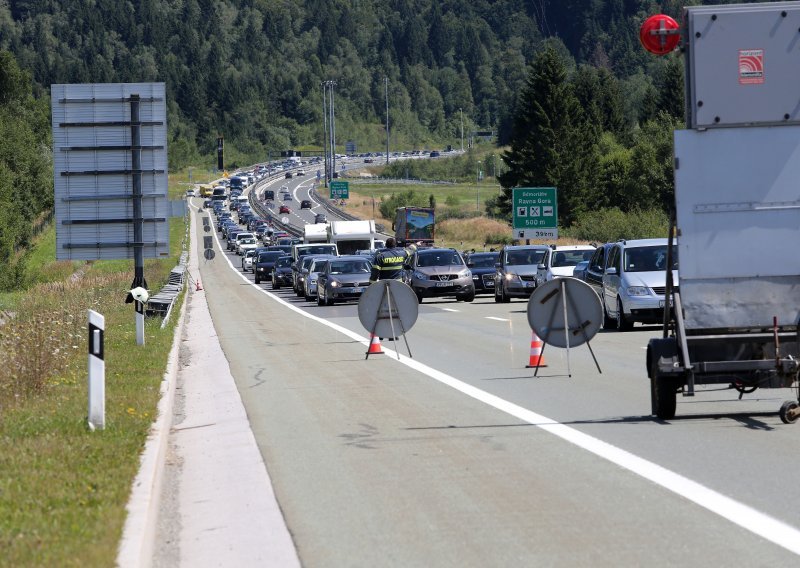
(352, 236)
(734, 318)
(315, 233)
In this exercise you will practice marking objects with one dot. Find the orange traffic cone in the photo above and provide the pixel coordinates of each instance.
(537, 346)
(374, 345)
(199, 286)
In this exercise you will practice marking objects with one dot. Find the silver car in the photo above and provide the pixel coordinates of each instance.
(343, 278)
(310, 276)
(438, 272)
(634, 282)
(516, 271)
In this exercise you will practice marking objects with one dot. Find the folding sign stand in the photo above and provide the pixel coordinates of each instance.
(386, 294)
(583, 305)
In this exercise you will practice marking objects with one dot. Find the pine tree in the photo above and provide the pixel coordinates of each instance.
(552, 143)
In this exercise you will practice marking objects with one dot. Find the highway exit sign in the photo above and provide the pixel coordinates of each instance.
(340, 189)
(535, 212)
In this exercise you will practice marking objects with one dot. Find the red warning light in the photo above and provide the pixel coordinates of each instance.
(659, 34)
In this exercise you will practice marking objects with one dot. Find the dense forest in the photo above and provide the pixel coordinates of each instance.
(563, 82)
(251, 69)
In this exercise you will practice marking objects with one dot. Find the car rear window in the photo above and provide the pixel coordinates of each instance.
(350, 267)
(482, 261)
(269, 256)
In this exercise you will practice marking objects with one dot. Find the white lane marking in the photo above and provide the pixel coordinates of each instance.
(748, 518)
(449, 310)
(496, 319)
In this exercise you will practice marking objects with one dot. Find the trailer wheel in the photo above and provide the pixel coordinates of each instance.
(790, 412)
(665, 394)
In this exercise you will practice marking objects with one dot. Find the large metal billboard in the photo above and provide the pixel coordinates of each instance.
(110, 166)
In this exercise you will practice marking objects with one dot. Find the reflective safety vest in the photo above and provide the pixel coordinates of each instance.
(389, 264)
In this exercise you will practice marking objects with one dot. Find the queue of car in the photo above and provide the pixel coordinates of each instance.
(629, 276)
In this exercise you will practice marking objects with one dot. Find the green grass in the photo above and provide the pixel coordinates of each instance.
(63, 489)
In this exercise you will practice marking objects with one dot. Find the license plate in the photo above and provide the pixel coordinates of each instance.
(443, 284)
(358, 290)
(661, 303)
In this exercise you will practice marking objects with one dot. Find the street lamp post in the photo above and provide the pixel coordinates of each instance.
(462, 129)
(477, 187)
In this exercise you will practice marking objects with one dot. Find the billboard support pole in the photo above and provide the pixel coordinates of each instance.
(138, 218)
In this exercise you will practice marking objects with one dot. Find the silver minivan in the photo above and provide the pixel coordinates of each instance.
(634, 282)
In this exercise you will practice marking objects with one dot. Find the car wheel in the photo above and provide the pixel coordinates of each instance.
(469, 296)
(258, 281)
(308, 297)
(275, 285)
(497, 297)
(608, 321)
(623, 324)
(503, 297)
(419, 297)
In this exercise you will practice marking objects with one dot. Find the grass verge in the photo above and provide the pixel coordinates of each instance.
(63, 489)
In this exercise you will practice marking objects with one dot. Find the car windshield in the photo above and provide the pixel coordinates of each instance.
(317, 264)
(570, 257)
(306, 261)
(439, 258)
(483, 261)
(283, 262)
(649, 259)
(349, 267)
(321, 249)
(248, 241)
(524, 257)
(269, 256)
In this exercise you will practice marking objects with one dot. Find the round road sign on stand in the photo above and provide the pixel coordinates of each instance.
(388, 308)
(209, 254)
(285, 220)
(565, 312)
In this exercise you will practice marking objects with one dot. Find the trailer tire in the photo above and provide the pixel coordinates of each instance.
(788, 412)
(665, 396)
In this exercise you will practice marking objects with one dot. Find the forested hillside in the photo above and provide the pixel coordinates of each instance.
(250, 69)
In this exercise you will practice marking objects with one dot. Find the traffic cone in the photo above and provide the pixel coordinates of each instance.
(198, 286)
(374, 345)
(537, 359)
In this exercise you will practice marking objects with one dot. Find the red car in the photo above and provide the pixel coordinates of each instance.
(284, 209)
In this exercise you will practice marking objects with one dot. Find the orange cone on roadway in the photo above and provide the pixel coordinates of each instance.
(537, 359)
(199, 286)
(374, 345)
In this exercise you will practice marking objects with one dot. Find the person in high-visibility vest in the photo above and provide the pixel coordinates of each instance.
(389, 261)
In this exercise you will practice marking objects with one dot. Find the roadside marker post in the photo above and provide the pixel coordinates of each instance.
(97, 372)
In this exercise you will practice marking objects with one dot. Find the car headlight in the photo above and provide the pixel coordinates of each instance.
(420, 275)
(511, 277)
(465, 274)
(334, 284)
(637, 291)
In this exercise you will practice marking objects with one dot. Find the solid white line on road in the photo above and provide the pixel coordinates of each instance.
(449, 310)
(496, 319)
(761, 524)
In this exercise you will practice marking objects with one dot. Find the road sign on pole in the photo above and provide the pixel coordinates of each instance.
(535, 212)
(340, 190)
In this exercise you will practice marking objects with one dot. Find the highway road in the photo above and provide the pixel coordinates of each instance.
(459, 456)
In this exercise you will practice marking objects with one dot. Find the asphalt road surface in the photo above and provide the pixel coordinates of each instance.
(459, 456)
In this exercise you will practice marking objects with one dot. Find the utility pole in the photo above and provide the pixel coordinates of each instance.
(332, 84)
(325, 168)
(386, 89)
(462, 129)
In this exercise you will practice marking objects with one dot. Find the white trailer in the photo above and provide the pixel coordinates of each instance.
(315, 233)
(352, 236)
(735, 318)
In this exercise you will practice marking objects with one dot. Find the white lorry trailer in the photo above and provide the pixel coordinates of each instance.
(735, 315)
(352, 236)
(315, 233)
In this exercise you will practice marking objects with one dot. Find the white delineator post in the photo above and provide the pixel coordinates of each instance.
(139, 322)
(97, 372)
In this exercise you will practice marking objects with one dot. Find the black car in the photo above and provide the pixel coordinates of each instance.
(320, 218)
(481, 264)
(305, 204)
(288, 175)
(282, 273)
(264, 263)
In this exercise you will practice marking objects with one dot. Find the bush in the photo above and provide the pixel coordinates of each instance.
(408, 198)
(608, 225)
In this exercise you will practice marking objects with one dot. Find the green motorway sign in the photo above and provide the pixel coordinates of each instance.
(339, 189)
(535, 212)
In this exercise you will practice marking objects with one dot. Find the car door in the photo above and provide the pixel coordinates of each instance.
(611, 282)
(595, 270)
(542, 267)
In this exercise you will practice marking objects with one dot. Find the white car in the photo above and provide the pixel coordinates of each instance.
(301, 172)
(189, 193)
(561, 261)
(241, 237)
(247, 260)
